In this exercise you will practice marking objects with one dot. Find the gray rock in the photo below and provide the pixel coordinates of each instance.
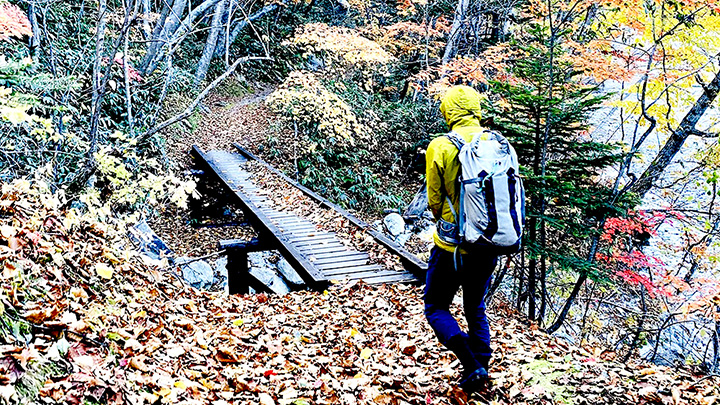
(403, 238)
(148, 242)
(220, 273)
(395, 224)
(314, 64)
(288, 272)
(264, 270)
(198, 274)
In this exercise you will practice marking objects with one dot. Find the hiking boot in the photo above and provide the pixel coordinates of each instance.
(474, 381)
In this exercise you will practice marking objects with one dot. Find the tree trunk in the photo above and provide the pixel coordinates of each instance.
(211, 42)
(34, 42)
(568, 303)
(498, 279)
(576, 288)
(543, 279)
(677, 139)
(532, 270)
(96, 80)
(162, 35)
(664, 325)
(147, 30)
(536, 202)
(126, 65)
(222, 47)
(160, 23)
(242, 24)
(495, 32)
(638, 330)
(716, 343)
(456, 30)
(174, 32)
(520, 273)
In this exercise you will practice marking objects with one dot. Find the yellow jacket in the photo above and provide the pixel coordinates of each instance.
(461, 108)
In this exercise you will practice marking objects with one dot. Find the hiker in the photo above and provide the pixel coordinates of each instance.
(451, 266)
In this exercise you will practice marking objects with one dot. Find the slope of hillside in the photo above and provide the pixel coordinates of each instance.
(86, 321)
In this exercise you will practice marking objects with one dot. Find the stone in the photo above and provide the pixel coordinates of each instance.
(148, 242)
(266, 272)
(220, 272)
(403, 238)
(395, 224)
(289, 273)
(198, 274)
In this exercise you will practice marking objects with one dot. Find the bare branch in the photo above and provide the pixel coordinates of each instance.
(189, 110)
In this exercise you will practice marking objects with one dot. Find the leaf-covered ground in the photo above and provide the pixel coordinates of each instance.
(86, 321)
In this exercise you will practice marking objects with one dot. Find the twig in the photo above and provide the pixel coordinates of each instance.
(707, 377)
(209, 255)
(82, 336)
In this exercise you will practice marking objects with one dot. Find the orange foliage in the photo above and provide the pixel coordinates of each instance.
(408, 38)
(408, 7)
(14, 22)
(492, 63)
(598, 60)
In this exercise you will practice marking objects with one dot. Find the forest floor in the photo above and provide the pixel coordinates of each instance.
(139, 335)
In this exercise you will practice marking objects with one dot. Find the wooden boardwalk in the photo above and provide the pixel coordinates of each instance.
(317, 255)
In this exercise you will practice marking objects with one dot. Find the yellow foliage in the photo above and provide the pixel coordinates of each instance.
(127, 188)
(305, 100)
(344, 50)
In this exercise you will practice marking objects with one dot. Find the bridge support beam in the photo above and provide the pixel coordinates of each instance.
(239, 278)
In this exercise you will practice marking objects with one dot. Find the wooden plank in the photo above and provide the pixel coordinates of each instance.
(310, 229)
(320, 243)
(315, 237)
(358, 275)
(292, 224)
(334, 258)
(289, 222)
(310, 250)
(395, 278)
(340, 264)
(298, 229)
(322, 256)
(252, 245)
(356, 269)
(298, 225)
(304, 240)
(283, 217)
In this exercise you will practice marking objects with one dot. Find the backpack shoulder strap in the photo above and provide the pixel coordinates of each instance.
(456, 139)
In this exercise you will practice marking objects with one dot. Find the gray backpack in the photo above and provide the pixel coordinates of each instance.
(492, 197)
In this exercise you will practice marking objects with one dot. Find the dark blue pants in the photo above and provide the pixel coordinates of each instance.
(443, 280)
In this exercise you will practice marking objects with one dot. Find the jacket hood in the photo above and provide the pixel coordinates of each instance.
(460, 106)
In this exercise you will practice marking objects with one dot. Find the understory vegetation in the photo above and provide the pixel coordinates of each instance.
(612, 106)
